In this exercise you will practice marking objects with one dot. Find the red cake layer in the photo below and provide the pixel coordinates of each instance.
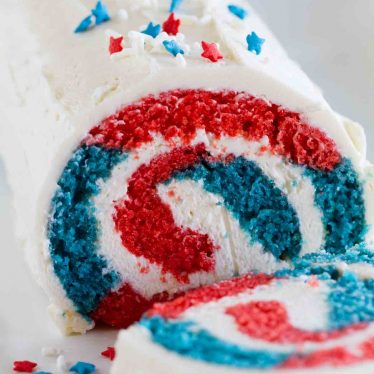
(269, 321)
(209, 293)
(227, 113)
(176, 250)
(122, 307)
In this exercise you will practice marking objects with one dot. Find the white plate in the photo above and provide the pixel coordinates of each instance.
(331, 40)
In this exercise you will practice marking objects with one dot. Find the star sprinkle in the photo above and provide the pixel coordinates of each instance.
(171, 25)
(255, 43)
(83, 368)
(211, 51)
(24, 366)
(84, 25)
(237, 11)
(110, 353)
(115, 44)
(43, 372)
(172, 47)
(100, 12)
(152, 30)
(101, 15)
(174, 5)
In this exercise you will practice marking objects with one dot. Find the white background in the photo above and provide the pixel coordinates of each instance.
(333, 40)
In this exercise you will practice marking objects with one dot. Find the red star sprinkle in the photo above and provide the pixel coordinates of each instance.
(110, 353)
(171, 25)
(211, 51)
(24, 366)
(115, 44)
(313, 281)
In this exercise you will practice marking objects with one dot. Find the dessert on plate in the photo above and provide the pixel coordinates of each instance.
(155, 147)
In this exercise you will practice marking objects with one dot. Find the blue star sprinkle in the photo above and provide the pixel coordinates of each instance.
(255, 43)
(83, 368)
(152, 30)
(174, 5)
(237, 11)
(172, 47)
(100, 13)
(84, 25)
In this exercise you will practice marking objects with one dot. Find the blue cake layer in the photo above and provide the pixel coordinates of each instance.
(339, 195)
(261, 208)
(73, 229)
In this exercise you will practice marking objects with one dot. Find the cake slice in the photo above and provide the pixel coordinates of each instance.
(157, 146)
(318, 317)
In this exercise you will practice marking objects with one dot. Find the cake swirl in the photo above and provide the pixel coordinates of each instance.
(126, 228)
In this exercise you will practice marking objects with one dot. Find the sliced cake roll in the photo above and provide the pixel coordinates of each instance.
(318, 317)
(157, 146)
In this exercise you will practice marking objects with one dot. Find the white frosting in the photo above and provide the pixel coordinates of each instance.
(137, 353)
(59, 84)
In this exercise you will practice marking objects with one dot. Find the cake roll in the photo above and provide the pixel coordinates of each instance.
(318, 317)
(157, 146)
